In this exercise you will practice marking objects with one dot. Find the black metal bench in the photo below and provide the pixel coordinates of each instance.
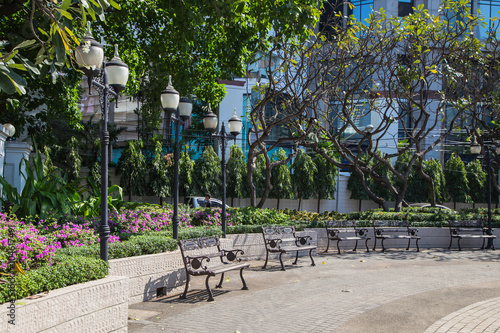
(345, 230)
(469, 230)
(284, 240)
(394, 230)
(204, 256)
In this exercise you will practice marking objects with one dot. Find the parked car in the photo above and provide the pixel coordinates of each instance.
(426, 204)
(197, 202)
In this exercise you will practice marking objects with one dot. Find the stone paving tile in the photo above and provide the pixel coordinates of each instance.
(478, 317)
(335, 295)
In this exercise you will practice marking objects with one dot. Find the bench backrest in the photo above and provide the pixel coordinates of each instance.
(391, 224)
(287, 232)
(340, 224)
(209, 246)
(466, 224)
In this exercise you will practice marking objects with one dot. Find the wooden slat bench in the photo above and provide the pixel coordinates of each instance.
(394, 230)
(345, 231)
(469, 230)
(284, 240)
(204, 256)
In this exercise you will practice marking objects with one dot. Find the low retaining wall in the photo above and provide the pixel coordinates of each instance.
(95, 306)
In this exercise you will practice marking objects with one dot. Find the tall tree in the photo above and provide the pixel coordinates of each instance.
(208, 172)
(324, 178)
(159, 175)
(281, 179)
(303, 170)
(457, 184)
(186, 173)
(236, 178)
(476, 178)
(132, 168)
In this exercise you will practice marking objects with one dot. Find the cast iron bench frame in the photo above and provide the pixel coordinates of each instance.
(394, 230)
(345, 230)
(197, 264)
(469, 229)
(284, 239)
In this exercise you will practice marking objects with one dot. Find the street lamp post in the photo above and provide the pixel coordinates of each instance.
(476, 150)
(235, 124)
(114, 75)
(177, 110)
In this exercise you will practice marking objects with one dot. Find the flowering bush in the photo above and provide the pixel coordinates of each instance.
(144, 219)
(209, 216)
(23, 243)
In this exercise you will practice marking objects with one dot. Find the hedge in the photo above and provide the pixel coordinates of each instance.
(65, 271)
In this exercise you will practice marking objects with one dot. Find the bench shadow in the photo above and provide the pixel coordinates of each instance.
(193, 297)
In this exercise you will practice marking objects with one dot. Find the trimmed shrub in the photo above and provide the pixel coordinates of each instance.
(65, 271)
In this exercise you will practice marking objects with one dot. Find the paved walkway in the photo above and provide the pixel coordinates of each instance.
(397, 291)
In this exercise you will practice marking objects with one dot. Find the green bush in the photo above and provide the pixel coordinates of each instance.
(257, 216)
(65, 271)
(136, 246)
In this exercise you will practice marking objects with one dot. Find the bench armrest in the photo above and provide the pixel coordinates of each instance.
(303, 240)
(362, 232)
(197, 262)
(487, 232)
(231, 254)
(412, 231)
(332, 232)
(273, 243)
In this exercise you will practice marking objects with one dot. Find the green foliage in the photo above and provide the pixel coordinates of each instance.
(281, 179)
(208, 173)
(186, 174)
(324, 178)
(257, 216)
(45, 191)
(132, 168)
(159, 175)
(259, 175)
(418, 189)
(476, 178)
(304, 170)
(65, 271)
(457, 184)
(236, 182)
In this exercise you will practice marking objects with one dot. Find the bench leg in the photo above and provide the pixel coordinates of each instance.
(355, 246)
(210, 296)
(482, 246)
(416, 243)
(296, 258)
(375, 244)
(183, 296)
(338, 247)
(310, 256)
(221, 280)
(366, 245)
(459, 247)
(408, 247)
(281, 262)
(243, 280)
(327, 244)
(383, 248)
(451, 239)
(267, 257)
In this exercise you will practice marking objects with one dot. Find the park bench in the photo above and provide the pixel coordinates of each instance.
(394, 230)
(204, 256)
(284, 240)
(469, 230)
(345, 230)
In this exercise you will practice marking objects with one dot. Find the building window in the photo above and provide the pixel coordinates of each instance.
(489, 10)
(405, 8)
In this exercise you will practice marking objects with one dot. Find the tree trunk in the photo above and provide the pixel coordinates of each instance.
(251, 168)
(300, 201)
(319, 203)
(359, 207)
(161, 200)
(278, 204)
